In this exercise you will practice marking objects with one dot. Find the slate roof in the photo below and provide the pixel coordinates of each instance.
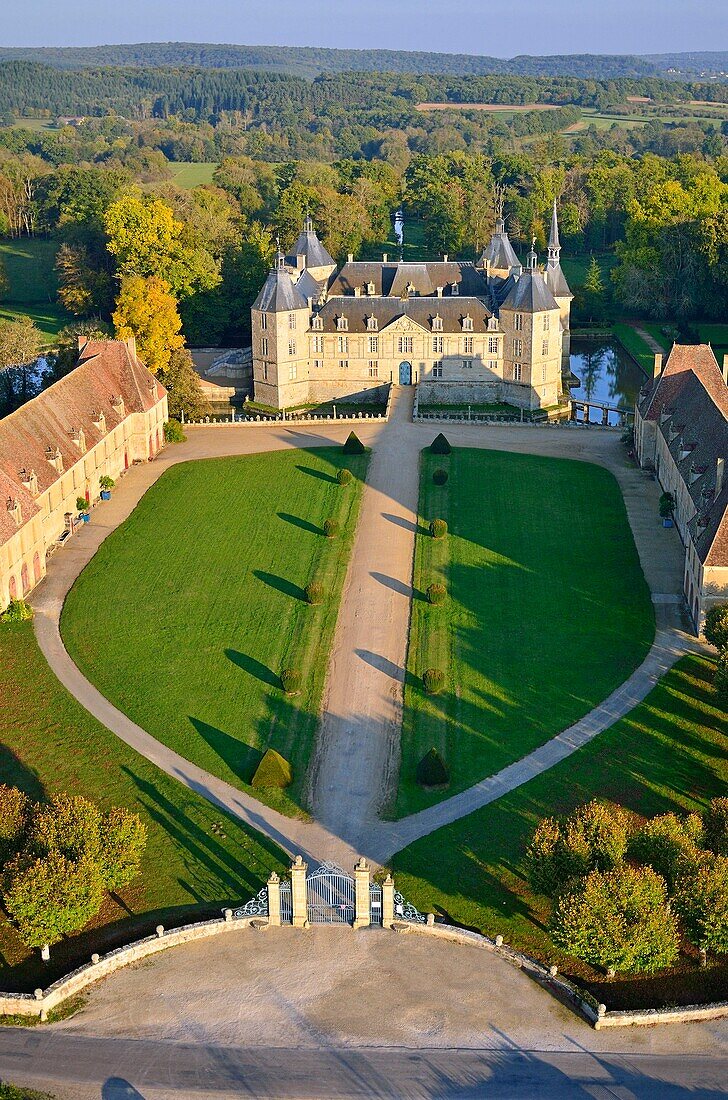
(530, 294)
(279, 293)
(392, 279)
(309, 246)
(499, 251)
(308, 287)
(421, 310)
(556, 281)
(107, 369)
(689, 402)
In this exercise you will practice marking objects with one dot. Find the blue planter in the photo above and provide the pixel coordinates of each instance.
(667, 523)
(85, 517)
(106, 494)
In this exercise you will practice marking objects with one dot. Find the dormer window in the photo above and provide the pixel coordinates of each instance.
(342, 324)
(99, 421)
(15, 511)
(55, 458)
(29, 481)
(454, 289)
(317, 323)
(371, 291)
(685, 450)
(437, 323)
(492, 324)
(467, 323)
(117, 404)
(79, 438)
(411, 290)
(372, 324)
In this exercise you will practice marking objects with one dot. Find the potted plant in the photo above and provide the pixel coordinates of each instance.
(106, 484)
(83, 508)
(667, 508)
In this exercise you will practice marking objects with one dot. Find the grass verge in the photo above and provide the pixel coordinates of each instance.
(669, 754)
(210, 570)
(548, 610)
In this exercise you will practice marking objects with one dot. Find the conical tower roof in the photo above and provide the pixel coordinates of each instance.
(310, 248)
(279, 293)
(499, 252)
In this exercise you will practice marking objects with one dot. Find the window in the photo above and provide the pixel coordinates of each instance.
(468, 345)
(292, 320)
(291, 347)
(343, 364)
(370, 289)
(543, 373)
(318, 363)
(437, 324)
(374, 345)
(545, 347)
(343, 343)
(518, 322)
(292, 372)
(467, 324)
(516, 372)
(342, 324)
(492, 345)
(373, 368)
(546, 322)
(405, 345)
(317, 323)
(437, 345)
(467, 364)
(437, 370)
(264, 346)
(318, 345)
(264, 321)
(454, 289)
(372, 324)
(265, 372)
(517, 348)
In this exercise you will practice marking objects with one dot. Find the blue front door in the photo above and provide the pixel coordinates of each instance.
(405, 374)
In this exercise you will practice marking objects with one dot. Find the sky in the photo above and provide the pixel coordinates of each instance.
(454, 26)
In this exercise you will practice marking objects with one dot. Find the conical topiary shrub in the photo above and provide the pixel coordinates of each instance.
(331, 528)
(344, 477)
(440, 445)
(440, 477)
(354, 445)
(436, 593)
(273, 771)
(432, 771)
(291, 681)
(438, 528)
(434, 680)
(314, 592)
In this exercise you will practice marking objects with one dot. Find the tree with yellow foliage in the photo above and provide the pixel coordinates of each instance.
(146, 310)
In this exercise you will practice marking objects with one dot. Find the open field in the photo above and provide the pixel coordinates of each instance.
(547, 610)
(210, 570)
(49, 319)
(667, 755)
(29, 263)
(495, 108)
(193, 173)
(197, 859)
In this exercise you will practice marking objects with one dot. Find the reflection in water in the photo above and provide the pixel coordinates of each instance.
(607, 375)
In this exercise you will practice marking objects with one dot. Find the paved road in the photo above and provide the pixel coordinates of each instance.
(337, 1013)
(349, 783)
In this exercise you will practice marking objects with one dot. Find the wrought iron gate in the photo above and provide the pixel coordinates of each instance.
(286, 903)
(330, 895)
(375, 903)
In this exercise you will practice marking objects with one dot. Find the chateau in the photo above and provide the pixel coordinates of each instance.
(321, 332)
(681, 431)
(105, 415)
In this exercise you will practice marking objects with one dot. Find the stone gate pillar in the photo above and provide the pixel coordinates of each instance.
(388, 902)
(362, 910)
(274, 901)
(299, 899)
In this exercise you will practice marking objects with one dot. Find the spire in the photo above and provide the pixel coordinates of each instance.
(500, 225)
(554, 242)
(308, 223)
(532, 257)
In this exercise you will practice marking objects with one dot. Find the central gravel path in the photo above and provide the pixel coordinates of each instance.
(357, 762)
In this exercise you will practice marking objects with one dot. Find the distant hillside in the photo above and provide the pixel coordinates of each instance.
(310, 61)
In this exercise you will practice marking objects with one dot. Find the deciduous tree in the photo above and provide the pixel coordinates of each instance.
(146, 310)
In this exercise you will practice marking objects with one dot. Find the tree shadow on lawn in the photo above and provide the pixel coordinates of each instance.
(320, 474)
(280, 584)
(302, 524)
(239, 757)
(16, 773)
(254, 668)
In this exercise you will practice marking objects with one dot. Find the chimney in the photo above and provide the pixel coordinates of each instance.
(719, 471)
(357, 292)
(445, 258)
(384, 257)
(657, 370)
(725, 369)
(350, 257)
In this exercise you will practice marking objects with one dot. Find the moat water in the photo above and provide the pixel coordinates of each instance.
(606, 373)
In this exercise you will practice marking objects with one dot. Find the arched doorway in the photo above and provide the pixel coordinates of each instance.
(13, 588)
(36, 566)
(25, 584)
(405, 374)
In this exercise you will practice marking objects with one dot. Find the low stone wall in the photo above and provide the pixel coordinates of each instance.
(43, 1001)
(295, 418)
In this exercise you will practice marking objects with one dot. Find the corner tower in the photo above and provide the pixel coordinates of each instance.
(530, 320)
(560, 289)
(280, 323)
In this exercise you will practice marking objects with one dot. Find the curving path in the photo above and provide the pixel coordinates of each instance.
(357, 759)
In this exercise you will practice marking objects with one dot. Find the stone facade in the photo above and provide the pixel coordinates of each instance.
(681, 431)
(108, 413)
(321, 332)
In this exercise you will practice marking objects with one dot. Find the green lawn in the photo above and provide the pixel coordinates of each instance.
(190, 610)
(548, 610)
(717, 335)
(29, 263)
(575, 268)
(198, 859)
(49, 319)
(192, 173)
(632, 342)
(669, 754)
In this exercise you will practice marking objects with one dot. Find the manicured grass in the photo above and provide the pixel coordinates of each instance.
(29, 263)
(717, 335)
(575, 268)
(193, 173)
(198, 859)
(669, 754)
(49, 319)
(664, 338)
(632, 342)
(548, 610)
(191, 609)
